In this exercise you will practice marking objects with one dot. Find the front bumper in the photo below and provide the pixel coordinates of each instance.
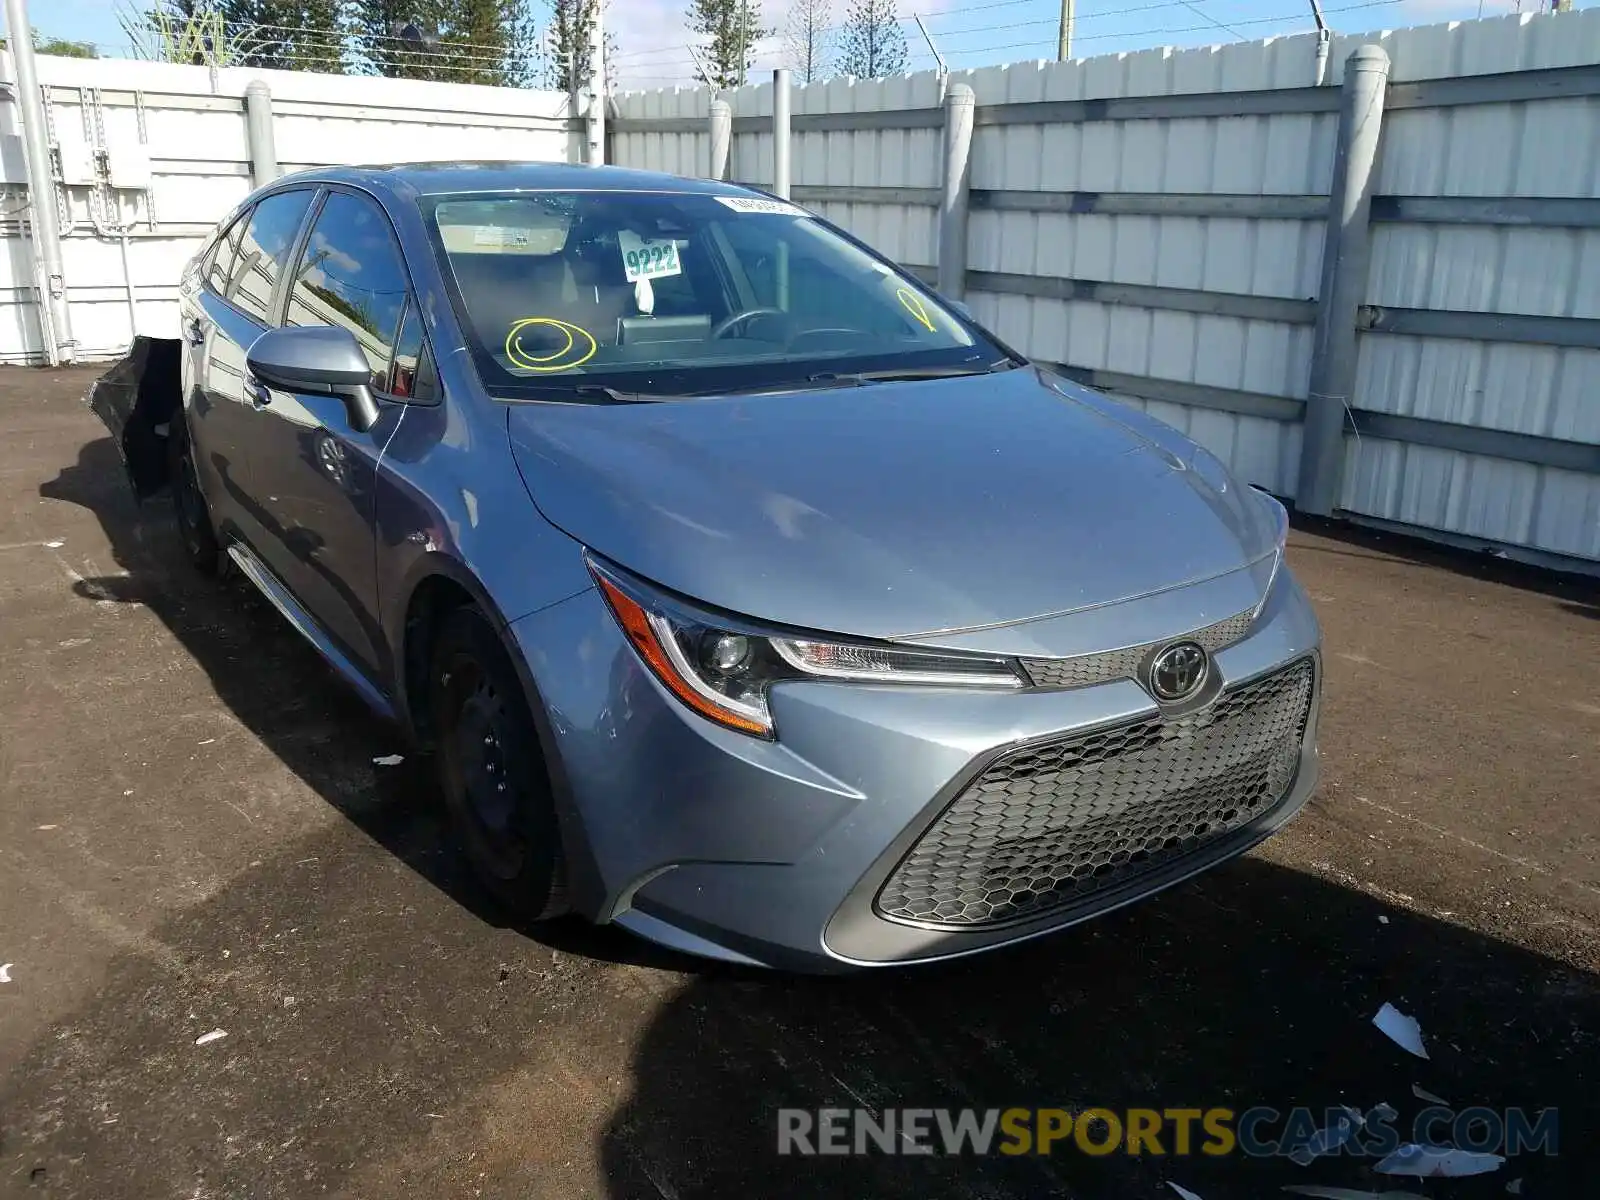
(774, 852)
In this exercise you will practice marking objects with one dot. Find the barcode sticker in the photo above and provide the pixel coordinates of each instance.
(750, 204)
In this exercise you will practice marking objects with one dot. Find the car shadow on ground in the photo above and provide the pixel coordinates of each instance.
(280, 690)
(1253, 986)
(365, 1001)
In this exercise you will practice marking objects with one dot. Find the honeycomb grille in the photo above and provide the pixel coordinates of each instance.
(1083, 670)
(1052, 824)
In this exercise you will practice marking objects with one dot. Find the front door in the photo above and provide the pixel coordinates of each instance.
(313, 473)
(227, 313)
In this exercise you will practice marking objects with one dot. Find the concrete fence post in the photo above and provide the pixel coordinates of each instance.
(780, 132)
(721, 138)
(954, 198)
(258, 134)
(44, 229)
(1346, 252)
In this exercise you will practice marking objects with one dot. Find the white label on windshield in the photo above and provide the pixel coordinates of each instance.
(497, 235)
(646, 258)
(749, 204)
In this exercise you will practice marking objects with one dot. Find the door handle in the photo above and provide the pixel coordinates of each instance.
(195, 332)
(258, 392)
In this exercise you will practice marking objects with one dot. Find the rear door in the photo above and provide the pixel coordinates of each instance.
(232, 308)
(316, 474)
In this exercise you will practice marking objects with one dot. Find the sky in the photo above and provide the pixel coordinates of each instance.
(652, 35)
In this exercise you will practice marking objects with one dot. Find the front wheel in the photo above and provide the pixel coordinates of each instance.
(189, 502)
(491, 770)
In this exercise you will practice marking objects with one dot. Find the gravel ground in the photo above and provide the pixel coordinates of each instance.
(194, 836)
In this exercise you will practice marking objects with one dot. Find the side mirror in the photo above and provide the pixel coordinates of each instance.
(321, 359)
(961, 307)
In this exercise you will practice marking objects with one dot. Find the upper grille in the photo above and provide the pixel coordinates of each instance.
(1085, 669)
(1048, 825)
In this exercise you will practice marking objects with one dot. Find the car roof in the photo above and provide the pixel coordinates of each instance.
(434, 178)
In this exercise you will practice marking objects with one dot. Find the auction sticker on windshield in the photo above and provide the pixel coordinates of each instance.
(645, 258)
(749, 204)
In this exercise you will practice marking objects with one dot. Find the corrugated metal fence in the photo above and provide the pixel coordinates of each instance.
(149, 156)
(1155, 223)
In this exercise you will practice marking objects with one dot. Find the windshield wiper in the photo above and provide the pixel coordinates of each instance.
(896, 374)
(614, 396)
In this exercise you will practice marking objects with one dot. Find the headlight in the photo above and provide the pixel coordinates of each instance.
(722, 668)
(1280, 520)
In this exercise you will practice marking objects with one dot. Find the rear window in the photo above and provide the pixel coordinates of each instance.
(264, 249)
(678, 293)
(219, 272)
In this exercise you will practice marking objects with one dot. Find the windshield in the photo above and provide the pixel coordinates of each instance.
(649, 294)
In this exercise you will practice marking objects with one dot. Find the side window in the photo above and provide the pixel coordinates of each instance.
(263, 251)
(412, 378)
(351, 275)
(219, 263)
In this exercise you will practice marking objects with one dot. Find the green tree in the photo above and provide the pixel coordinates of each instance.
(734, 27)
(63, 48)
(874, 44)
(287, 35)
(462, 41)
(565, 65)
(808, 38)
(284, 35)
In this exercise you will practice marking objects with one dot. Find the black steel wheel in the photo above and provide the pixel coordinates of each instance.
(491, 769)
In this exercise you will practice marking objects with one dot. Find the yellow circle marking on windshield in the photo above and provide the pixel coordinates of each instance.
(549, 362)
(912, 303)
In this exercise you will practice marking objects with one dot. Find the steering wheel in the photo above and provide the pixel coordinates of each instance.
(721, 328)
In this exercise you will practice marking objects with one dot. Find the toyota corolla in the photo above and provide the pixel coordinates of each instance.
(748, 595)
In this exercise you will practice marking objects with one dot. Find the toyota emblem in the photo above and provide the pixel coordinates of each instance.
(1178, 671)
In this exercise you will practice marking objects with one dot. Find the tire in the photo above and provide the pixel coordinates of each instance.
(496, 786)
(189, 505)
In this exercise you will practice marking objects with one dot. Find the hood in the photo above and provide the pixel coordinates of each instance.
(895, 510)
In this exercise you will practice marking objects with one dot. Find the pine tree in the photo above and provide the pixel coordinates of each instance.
(286, 35)
(734, 27)
(371, 26)
(808, 38)
(874, 43)
(465, 41)
(566, 46)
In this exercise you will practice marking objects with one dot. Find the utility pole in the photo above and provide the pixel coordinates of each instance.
(597, 87)
(1069, 17)
(744, 31)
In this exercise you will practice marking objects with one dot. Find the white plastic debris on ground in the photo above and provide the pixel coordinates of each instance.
(216, 1035)
(388, 760)
(1438, 1162)
(5, 972)
(1338, 1193)
(1422, 1093)
(1182, 1191)
(1326, 1141)
(1400, 1029)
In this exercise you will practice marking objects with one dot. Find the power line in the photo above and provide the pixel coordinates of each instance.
(1164, 4)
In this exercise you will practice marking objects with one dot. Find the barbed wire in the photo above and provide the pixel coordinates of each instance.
(919, 53)
(662, 64)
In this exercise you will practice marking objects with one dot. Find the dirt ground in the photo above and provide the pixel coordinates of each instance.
(194, 836)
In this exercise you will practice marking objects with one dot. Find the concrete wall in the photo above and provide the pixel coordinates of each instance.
(176, 137)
